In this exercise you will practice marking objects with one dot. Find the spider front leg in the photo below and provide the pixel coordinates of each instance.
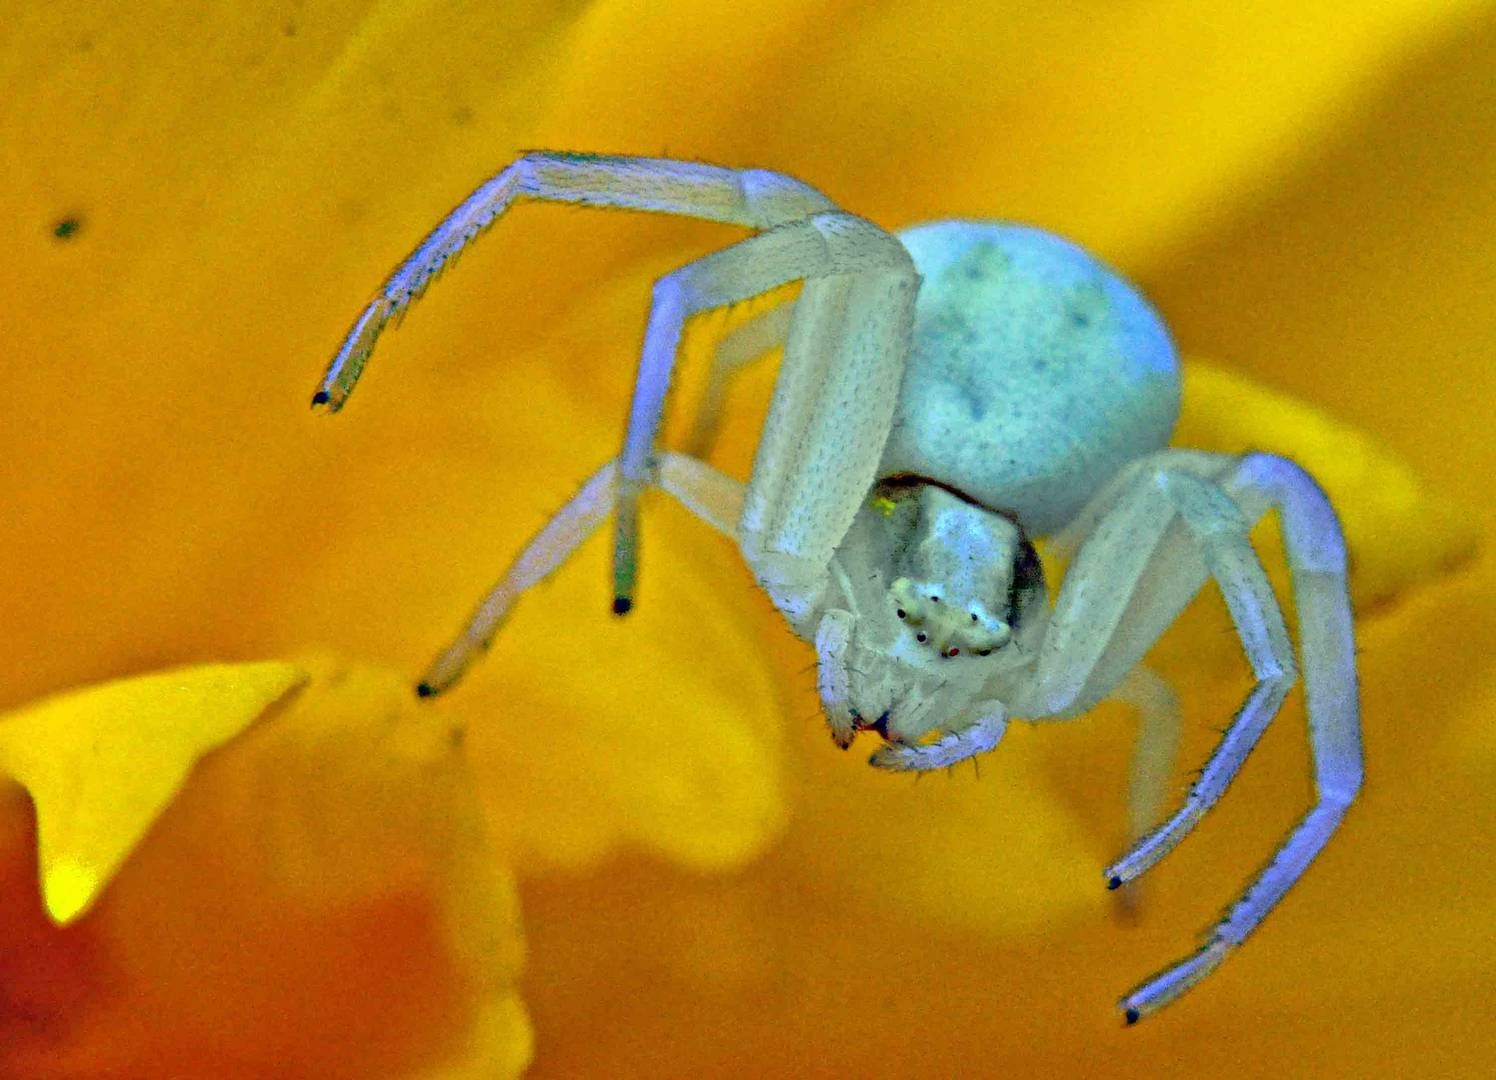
(844, 363)
(1156, 704)
(1146, 556)
(836, 252)
(955, 745)
(839, 256)
(828, 421)
(755, 198)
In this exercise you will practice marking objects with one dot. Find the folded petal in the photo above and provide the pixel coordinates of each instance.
(1399, 531)
(101, 764)
(318, 900)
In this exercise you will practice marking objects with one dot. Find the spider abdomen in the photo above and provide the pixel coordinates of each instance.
(1035, 371)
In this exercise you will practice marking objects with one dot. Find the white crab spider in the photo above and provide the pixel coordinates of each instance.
(947, 394)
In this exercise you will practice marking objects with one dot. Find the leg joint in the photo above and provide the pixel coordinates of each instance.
(857, 245)
(771, 198)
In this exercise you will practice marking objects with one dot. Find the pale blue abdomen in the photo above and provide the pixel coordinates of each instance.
(1035, 371)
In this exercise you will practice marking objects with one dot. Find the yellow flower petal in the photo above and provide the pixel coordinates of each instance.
(498, 1045)
(587, 731)
(101, 764)
(319, 900)
(1398, 531)
(990, 850)
(248, 171)
(661, 730)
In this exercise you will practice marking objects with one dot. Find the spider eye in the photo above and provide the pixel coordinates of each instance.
(901, 613)
(921, 637)
(953, 652)
(973, 616)
(985, 652)
(934, 599)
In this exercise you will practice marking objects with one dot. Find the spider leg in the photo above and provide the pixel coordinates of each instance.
(548, 549)
(755, 198)
(1317, 568)
(1105, 620)
(982, 735)
(709, 494)
(763, 333)
(1157, 706)
(867, 275)
(828, 421)
(1219, 533)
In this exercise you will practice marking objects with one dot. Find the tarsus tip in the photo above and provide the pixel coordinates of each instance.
(425, 690)
(622, 605)
(1131, 1016)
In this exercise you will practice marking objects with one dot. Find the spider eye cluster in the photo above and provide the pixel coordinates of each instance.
(949, 628)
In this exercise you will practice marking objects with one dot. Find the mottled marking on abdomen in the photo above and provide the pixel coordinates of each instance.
(1035, 372)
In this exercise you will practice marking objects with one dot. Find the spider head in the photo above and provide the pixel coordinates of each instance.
(930, 617)
(950, 628)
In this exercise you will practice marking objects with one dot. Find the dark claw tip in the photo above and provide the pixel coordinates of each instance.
(1131, 1015)
(425, 690)
(622, 605)
(321, 397)
(1113, 882)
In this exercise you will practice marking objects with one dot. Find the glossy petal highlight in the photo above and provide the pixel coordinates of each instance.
(319, 900)
(101, 764)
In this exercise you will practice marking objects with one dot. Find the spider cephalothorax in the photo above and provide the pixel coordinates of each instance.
(929, 378)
